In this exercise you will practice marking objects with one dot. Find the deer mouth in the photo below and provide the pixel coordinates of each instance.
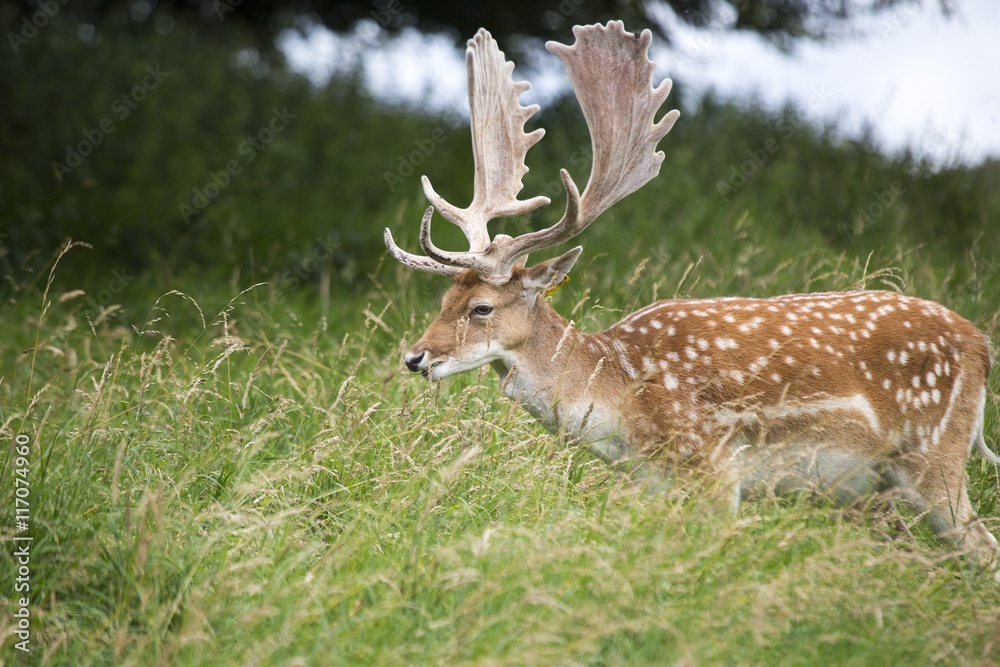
(426, 372)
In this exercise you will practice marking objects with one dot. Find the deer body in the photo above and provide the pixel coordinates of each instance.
(842, 393)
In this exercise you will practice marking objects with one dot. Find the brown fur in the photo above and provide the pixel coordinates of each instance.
(887, 387)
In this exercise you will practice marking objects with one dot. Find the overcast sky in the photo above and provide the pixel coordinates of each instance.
(918, 78)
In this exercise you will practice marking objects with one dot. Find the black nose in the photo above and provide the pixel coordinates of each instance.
(412, 361)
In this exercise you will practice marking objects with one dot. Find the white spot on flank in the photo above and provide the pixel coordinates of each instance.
(904, 357)
(669, 381)
(931, 379)
(726, 343)
(785, 329)
(690, 353)
(655, 324)
(648, 366)
(891, 355)
(702, 344)
(886, 383)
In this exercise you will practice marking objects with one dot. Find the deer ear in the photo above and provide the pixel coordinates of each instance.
(551, 273)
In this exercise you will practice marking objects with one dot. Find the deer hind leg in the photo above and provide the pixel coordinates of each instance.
(938, 489)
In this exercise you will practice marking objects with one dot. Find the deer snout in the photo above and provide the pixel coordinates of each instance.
(415, 361)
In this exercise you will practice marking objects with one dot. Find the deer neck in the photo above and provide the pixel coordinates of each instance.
(569, 381)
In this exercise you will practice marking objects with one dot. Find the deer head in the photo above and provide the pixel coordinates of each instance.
(488, 311)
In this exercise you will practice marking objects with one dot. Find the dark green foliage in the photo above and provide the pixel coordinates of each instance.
(309, 207)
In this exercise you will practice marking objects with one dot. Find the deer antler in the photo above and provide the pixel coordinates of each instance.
(611, 74)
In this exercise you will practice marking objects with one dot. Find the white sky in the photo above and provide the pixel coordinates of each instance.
(916, 77)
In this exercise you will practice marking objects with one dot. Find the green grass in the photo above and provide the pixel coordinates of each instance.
(230, 465)
(261, 482)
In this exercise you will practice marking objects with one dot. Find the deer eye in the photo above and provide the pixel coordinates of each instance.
(482, 310)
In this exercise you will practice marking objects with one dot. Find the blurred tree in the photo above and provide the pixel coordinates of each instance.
(781, 21)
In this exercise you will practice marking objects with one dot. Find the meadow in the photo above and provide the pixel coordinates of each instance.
(228, 463)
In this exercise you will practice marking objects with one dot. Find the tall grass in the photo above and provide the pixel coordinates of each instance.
(260, 482)
(230, 466)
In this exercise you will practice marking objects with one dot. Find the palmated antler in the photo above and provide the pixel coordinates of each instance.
(611, 76)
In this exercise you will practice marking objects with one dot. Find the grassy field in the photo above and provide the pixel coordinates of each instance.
(227, 463)
(244, 477)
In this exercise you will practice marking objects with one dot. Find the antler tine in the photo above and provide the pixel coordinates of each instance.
(611, 76)
(460, 260)
(416, 261)
(499, 144)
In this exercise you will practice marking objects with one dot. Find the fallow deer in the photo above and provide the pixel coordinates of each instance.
(844, 393)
